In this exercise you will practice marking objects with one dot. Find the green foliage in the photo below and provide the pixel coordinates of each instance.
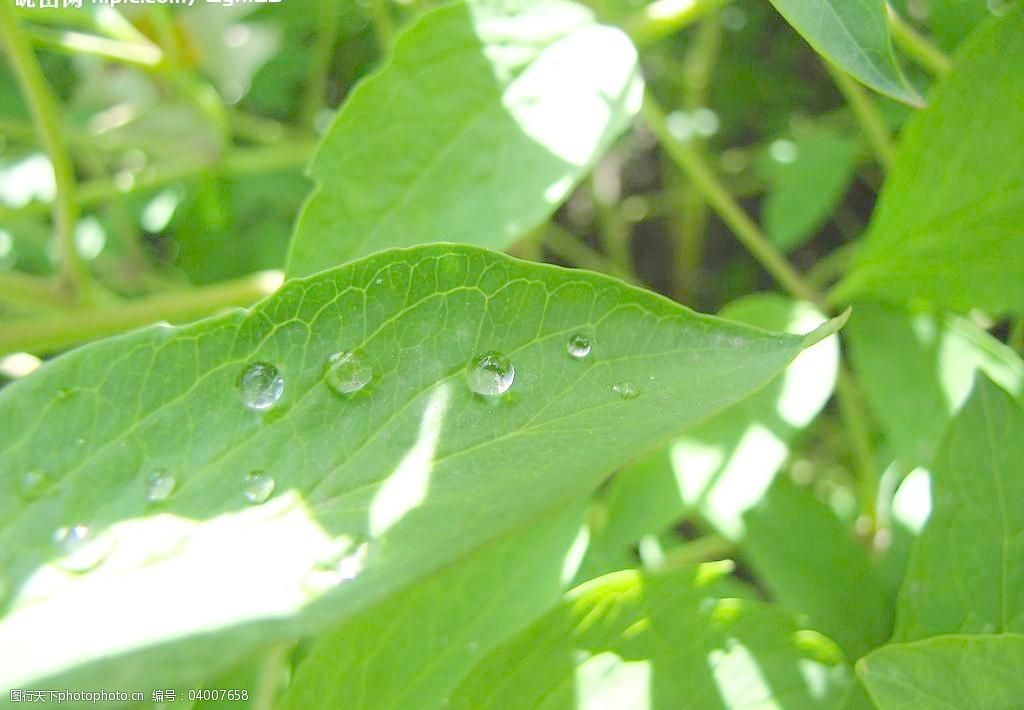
(620, 640)
(948, 225)
(526, 96)
(947, 672)
(376, 463)
(855, 36)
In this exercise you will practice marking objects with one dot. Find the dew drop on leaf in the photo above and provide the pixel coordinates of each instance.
(579, 346)
(258, 487)
(347, 372)
(626, 390)
(159, 486)
(491, 374)
(35, 484)
(260, 385)
(80, 552)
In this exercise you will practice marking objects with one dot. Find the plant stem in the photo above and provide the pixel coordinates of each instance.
(50, 334)
(704, 179)
(566, 246)
(832, 265)
(30, 291)
(871, 121)
(855, 422)
(43, 107)
(1016, 339)
(664, 17)
(918, 47)
(703, 549)
(238, 162)
(80, 43)
(383, 27)
(323, 51)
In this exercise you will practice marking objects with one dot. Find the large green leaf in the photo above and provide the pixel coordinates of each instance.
(812, 563)
(372, 490)
(949, 228)
(476, 130)
(673, 640)
(966, 573)
(953, 20)
(947, 673)
(723, 467)
(854, 34)
(917, 369)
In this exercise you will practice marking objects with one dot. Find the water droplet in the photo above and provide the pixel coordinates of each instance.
(580, 346)
(80, 551)
(35, 484)
(342, 563)
(159, 486)
(491, 374)
(626, 390)
(258, 487)
(347, 372)
(260, 386)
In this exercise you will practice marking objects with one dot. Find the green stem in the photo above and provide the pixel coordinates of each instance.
(918, 47)
(80, 43)
(614, 232)
(566, 246)
(383, 27)
(703, 549)
(30, 291)
(54, 333)
(44, 111)
(238, 162)
(704, 179)
(832, 265)
(1016, 339)
(323, 51)
(664, 17)
(871, 121)
(855, 421)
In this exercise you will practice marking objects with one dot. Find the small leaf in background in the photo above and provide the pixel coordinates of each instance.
(668, 640)
(953, 20)
(949, 227)
(278, 477)
(723, 466)
(917, 369)
(811, 562)
(805, 191)
(854, 36)
(485, 118)
(966, 573)
(413, 649)
(947, 672)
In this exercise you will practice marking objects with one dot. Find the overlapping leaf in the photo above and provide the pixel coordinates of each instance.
(485, 118)
(949, 228)
(372, 490)
(853, 34)
(673, 640)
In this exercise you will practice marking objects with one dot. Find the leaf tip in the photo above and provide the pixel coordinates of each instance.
(829, 327)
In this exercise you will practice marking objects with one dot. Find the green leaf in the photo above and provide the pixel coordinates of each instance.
(384, 485)
(413, 649)
(952, 20)
(947, 672)
(949, 228)
(723, 466)
(854, 36)
(804, 192)
(486, 117)
(831, 580)
(673, 640)
(967, 569)
(917, 369)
